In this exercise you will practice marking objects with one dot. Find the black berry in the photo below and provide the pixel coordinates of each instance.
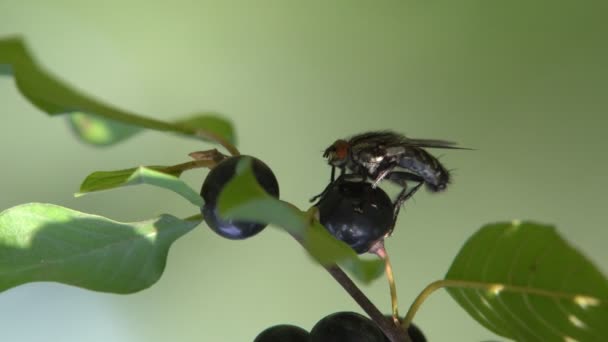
(213, 185)
(283, 333)
(346, 327)
(413, 331)
(356, 213)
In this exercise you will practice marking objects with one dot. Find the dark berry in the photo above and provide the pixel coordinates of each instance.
(213, 185)
(356, 213)
(283, 333)
(413, 331)
(346, 327)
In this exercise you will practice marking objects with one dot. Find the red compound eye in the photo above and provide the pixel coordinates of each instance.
(341, 149)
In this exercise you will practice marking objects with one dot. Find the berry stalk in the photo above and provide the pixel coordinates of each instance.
(393, 332)
(380, 251)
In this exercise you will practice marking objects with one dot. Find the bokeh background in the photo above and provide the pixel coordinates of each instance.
(525, 83)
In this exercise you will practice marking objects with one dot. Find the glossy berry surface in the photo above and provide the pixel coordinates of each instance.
(346, 327)
(356, 213)
(213, 185)
(414, 332)
(283, 333)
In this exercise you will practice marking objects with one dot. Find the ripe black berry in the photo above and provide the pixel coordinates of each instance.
(415, 333)
(356, 213)
(283, 333)
(346, 327)
(213, 185)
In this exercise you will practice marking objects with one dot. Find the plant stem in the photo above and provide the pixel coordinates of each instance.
(393, 332)
(179, 168)
(208, 159)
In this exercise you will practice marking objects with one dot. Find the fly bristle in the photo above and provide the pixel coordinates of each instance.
(443, 181)
(452, 172)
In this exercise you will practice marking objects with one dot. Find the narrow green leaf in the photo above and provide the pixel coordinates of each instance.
(211, 122)
(45, 242)
(94, 121)
(328, 250)
(244, 199)
(98, 131)
(534, 285)
(105, 180)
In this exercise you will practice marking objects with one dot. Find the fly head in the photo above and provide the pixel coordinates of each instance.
(337, 153)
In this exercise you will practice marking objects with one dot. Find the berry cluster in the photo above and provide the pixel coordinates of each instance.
(337, 327)
(352, 211)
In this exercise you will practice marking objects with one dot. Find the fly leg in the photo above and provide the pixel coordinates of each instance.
(332, 179)
(381, 175)
(400, 178)
(381, 171)
(316, 197)
(343, 176)
(333, 173)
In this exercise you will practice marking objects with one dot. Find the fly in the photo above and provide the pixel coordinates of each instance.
(391, 156)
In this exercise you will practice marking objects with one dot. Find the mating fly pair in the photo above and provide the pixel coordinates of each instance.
(392, 156)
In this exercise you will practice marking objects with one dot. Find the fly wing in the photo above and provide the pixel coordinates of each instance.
(433, 143)
(392, 140)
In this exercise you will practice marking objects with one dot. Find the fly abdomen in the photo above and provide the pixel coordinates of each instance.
(426, 166)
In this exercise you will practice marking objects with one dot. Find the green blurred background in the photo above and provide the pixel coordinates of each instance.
(525, 83)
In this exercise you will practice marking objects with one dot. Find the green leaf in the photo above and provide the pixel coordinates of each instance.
(525, 282)
(98, 131)
(328, 250)
(45, 242)
(94, 121)
(244, 199)
(105, 180)
(211, 122)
